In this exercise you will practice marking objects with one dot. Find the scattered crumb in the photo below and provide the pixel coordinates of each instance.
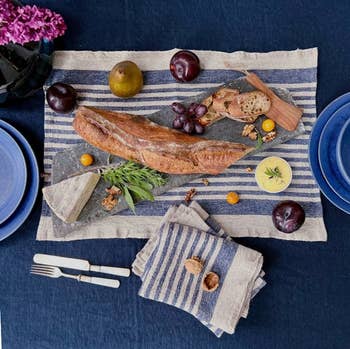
(190, 194)
(205, 181)
(249, 169)
(45, 175)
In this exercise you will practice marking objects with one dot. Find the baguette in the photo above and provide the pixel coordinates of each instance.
(136, 138)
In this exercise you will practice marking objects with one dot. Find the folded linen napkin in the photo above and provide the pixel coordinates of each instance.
(190, 231)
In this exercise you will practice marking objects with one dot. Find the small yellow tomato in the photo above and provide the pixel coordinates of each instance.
(232, 198)
(86, 159)
(268, 125)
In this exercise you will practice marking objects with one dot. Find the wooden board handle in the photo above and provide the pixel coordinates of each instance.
(284, 114)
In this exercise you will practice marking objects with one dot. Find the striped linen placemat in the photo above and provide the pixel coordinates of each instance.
(295, 70)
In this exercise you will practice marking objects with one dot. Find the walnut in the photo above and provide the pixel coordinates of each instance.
(109, 202)
(247, 129)
(210, 282)
(249, 169)
(194, 265)
(190, 194)
(113, 190)
(253, 135)
(205, 181)
(269, 137)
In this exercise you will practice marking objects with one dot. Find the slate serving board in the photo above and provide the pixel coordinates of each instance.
(66, 163)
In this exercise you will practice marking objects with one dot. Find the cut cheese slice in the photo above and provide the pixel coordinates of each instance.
(67, 198)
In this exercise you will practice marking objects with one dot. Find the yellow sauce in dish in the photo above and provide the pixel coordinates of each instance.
(273, 174)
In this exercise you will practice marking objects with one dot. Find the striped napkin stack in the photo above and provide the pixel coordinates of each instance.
(190, 231)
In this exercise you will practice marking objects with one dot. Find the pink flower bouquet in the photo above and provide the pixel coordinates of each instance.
(22, 24)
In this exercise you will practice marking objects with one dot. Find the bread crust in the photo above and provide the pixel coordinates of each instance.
(134, 137)
(228, 102)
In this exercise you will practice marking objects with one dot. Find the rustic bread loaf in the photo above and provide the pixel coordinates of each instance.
(136, 138)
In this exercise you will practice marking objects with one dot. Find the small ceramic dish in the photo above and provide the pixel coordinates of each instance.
(273, 174)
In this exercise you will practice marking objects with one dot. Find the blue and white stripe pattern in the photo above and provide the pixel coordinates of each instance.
(164, 278)
(294, 70)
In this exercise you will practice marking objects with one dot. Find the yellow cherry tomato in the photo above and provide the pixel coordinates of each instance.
(232, 198)
(86, 159)
(268, 125)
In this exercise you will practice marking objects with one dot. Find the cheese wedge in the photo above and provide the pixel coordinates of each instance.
(67, 198)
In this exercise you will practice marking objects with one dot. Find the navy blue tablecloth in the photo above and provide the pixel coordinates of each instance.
(306, 303)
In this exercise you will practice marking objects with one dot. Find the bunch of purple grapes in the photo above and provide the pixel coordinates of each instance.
(187, 119)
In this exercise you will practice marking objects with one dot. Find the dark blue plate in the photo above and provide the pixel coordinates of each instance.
(343, 151)
(13, 175)
(313, 152)
(327, 155)
(27, 203)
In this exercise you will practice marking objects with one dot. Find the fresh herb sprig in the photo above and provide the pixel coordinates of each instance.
(259, 141)
(135, 181)
(273, 172)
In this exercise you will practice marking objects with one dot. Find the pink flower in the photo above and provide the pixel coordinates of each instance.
(22, 24)
(7, 7)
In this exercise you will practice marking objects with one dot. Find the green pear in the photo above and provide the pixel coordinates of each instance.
(125, 79)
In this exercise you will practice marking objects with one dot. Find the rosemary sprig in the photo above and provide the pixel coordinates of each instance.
(135, 181)
(273, 172)
(259, 141)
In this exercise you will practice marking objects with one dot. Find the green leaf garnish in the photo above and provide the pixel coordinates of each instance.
(129, 199)
(135, 181)
(140, 192)
(259, 141)
(273, 172)
(146, 186)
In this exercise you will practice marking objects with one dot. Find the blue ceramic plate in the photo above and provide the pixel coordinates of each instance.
(327, 155)
(27, 203)
(13, 175)
(343, 151)
(313, 152)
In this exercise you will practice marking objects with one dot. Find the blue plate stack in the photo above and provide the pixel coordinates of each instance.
(329, 152)
(19, 179)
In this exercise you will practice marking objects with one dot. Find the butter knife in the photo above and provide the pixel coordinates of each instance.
(78, 264)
